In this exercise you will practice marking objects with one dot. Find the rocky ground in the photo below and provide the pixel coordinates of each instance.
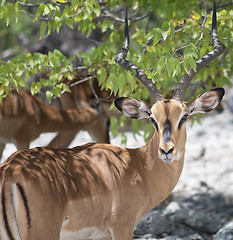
(202, 202)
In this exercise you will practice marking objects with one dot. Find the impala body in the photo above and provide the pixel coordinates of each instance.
(100, 191)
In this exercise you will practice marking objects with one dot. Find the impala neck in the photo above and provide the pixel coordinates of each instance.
(161, 177)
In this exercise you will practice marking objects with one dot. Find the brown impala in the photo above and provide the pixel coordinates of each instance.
(100, 191)
(24, 117)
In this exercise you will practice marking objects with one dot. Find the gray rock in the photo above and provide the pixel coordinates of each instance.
(154, 223)
(159, 224)
(194, 237)
(172, 208)
(200, 220)
(225, 233)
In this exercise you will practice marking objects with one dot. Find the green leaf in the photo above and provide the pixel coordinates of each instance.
(65, 87)
(172, 28)
(193, 46)
(21, 82)
(49, 95)
(43, 28)
(151, 34)
(40, 9)
(102, 74)
(158, 36)
(130, 80)
(192, 63)
(203, 50)
(121, 80)
(69, 21)
(60, 1)
(46, 10)
(35, 87)
(165, 29)
(58, 23)
(161, 64)
(186, 65)
(171, 67)
(29, 59)
(195, 15)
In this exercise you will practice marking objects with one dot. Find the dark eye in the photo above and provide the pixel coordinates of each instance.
(154, 123)
(183, 119)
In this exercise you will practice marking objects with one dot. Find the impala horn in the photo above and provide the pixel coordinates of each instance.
(179, 93)
(142, 77)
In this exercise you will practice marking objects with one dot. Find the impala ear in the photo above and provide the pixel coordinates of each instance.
(133, 108)
(206, 101)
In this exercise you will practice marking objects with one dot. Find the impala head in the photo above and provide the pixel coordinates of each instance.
(169, 116)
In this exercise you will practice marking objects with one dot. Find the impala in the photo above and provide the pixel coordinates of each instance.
(23, 118)
(100, 191)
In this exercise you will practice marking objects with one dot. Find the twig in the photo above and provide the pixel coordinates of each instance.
(78, 82)
(117, 19)
(203, 24)
(31, 4)
(81, 81)
(182, 47)
(77, 14)
(94, 92)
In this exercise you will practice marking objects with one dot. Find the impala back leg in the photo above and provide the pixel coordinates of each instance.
(19, 221)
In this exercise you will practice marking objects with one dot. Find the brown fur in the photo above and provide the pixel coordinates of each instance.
(23, 118)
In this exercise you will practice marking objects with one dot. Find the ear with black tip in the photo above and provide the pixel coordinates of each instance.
(206, 101)
(133, 108)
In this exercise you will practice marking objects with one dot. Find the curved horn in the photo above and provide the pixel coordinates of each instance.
(120, 59)
(179, 93)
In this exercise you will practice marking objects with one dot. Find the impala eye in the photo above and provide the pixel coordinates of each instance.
(154, 123)
(183, 119)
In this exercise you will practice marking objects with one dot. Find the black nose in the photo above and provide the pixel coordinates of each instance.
(166, 152)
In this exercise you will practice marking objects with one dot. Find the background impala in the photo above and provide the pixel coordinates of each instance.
(99, 190)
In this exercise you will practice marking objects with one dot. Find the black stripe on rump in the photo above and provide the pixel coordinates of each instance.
(4, 214)
(25, 202)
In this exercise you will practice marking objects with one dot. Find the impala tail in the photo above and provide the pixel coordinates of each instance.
(13, 200)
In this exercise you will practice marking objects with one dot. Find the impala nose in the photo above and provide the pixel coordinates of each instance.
(167, 153)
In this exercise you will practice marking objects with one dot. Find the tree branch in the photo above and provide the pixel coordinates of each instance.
(203, 24)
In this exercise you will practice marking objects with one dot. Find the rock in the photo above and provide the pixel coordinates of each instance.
(194, 237)
(200, 220)
(172, 208)
(225, 233)
(159, 224)
(154, 223)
